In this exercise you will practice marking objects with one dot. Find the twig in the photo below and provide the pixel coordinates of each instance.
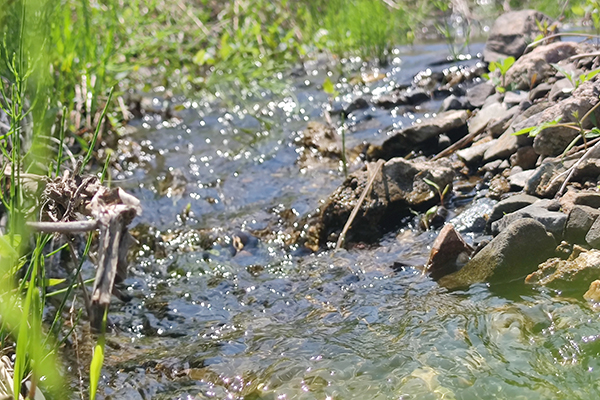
(584, 55)
(562, 34)
(64, 227)
(361, 199)
(572, 170)
(456, 146)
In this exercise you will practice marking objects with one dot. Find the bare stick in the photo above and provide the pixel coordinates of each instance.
(456, 146)
(361, 199)
(64, 227)
(573, 168)
(585, 35)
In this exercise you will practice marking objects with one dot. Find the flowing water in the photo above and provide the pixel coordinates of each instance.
(275, 322)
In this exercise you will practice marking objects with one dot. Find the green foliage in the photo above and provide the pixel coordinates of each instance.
(502, 67)
(573, 78)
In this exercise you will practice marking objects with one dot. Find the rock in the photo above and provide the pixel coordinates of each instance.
(487, 114)
(579, 222)
(400, 98)
(525, 157)
(511, 33)
(448, 254)
(583, 198)
(593, 235)
(399, 188)
(477, 95)
(510, 205)
(507, 257)
(553, 221)
(540, 91)
(537, 64)
(474, 154)
(358, 104)
(553, 140)
(572, 275)
(513, 98)
(452, 123)
(454, 103)
(549, 177)
(500, 123)
(519, 180)
(474, 218)
(506, 145)
(498, 186)
(593, 293)
(561, 89)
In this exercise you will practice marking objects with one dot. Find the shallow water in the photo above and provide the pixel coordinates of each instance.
(273, 322)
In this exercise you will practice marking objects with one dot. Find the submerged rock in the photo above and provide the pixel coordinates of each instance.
(511, 33)
(399, 188)
(507, 257)
(452, 123)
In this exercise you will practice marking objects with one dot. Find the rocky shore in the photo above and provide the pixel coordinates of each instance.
(528, 136)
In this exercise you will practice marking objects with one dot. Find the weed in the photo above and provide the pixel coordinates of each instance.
(573, 78)
(502, 67)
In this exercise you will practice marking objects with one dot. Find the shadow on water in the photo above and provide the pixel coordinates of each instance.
(264, 321)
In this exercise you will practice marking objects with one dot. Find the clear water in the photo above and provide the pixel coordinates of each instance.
(273, 322)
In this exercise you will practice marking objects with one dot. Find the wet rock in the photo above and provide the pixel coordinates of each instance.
(358, 104)
(537, 64)
(507, 257)
(553, 140)
(579, 222)
(477, 95)
(452, 123)
(448, 253)
(453, 102)
(474, 154)
(553, 221)
(510, 205)
(399, 188)
(401, 98)
(474, 218)
(571, 275)
(511, 33)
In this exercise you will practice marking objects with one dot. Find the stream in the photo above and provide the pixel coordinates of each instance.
(274, 321)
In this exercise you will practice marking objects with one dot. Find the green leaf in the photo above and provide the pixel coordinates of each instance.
(328, 87)
(432, 183)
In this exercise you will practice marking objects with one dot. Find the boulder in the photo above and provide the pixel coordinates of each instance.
(488, 114)
(572, 275)
(478, 94)
(401, 98)
(510, 205)
(399, 188)
(507, 257)
(474, 154)
(511, 33)
(537, 64)
(506, 145)
(514, 98)
(452, 123)
(525, 157)
(453, 102)
(518, 180)
(449, 253)
(592, 236)
(549, 177)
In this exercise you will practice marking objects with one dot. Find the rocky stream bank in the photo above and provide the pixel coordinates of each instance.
(536, 218)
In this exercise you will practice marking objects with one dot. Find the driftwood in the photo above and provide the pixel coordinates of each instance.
(73, 204)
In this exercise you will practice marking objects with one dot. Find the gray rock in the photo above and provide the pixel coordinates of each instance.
(454, 103)
(511, 33)
(525, 157)
(507, 257)
(486, 115)
(474, 217)
(506, 145)
(579, 222)
(553, 221)
(537, 63)
(357, 104)
(405, 140)
(510, 205)
(513, 98)
(474, 154)
(477, 95)
(549, 177)
(561, 89)
(398, 189)
(593, 235)
(402, 97)
(540, 91)
(519, 180)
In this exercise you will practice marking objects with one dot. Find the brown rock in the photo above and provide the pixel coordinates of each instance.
(448, 254)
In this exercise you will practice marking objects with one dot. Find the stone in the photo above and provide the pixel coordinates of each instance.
(540, 91)
(510, 205)
(474, 154)
(579, 222)
(477, 95)
(519, 180)
(513, 98)
(474, 218)
(401, 98)
(399, 188)
(537, 64)
(592, 237)
(561, 89)
(498, 186)
(358, 104)
(487, 114)
(506, 145)
(549, 176)
(500, 123)
(449, 253)
(453, 102)
(571, 276)
(507, 257)
(452, 123)
(553, 221)
(525, 157)
(511, 33)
